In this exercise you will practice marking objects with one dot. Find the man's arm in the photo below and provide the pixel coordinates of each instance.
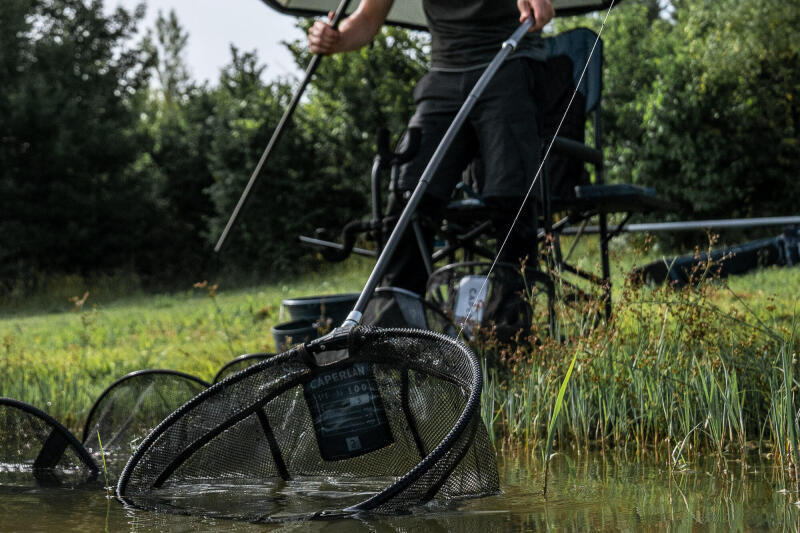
(354, 32)
(542, 11)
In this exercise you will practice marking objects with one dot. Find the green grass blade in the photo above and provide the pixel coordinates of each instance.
(109, 489)
(556, 411)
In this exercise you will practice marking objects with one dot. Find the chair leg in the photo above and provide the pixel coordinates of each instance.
(423, 246)
(606, 265)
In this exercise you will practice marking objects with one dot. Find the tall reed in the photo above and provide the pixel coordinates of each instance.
(554, 418)
(675, 373)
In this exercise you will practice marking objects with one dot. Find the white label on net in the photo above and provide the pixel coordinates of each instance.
(471, 298)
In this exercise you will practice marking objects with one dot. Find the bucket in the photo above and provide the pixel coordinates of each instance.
(295, 332)
(333, 306)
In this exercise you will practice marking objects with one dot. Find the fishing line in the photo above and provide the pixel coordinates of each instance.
(538, 173)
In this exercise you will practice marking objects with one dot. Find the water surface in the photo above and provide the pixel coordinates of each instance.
(594, 492)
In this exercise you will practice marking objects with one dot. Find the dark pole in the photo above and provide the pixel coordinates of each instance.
(312, 68)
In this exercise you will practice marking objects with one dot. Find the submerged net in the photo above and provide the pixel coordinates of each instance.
(35, 449)
(129, 409)
(375, 420)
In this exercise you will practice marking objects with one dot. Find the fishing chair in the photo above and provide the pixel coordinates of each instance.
(568, 196)
(574, 202)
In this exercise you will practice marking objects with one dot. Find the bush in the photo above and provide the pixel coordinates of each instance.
(711, 120)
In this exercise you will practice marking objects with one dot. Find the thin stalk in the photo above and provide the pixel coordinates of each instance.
(109, 489)
(791, 414)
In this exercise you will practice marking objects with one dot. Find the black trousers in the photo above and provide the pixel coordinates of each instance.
(503, 129)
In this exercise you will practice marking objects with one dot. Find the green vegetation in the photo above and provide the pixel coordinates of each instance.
(62, 361)
(554, 418)
(117, 168)
(113, 161)
(704, 371)
(709, 370)
(700, 101)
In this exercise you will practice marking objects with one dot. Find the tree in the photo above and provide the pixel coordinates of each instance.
(720, 120)
(69, 134)
(700, 103)
(319, 173)
(100, 170)
(177, 118)
(293, 195)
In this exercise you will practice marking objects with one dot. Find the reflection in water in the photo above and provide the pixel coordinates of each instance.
(594, 493)
(624, 493)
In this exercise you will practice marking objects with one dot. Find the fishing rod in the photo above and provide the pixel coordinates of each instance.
(278, 133)
(693, 225)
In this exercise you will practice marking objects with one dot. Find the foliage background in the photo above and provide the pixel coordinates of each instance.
(112, 159)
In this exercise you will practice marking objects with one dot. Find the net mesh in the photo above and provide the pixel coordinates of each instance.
(35, 449)
(127, 411)
(390, 421)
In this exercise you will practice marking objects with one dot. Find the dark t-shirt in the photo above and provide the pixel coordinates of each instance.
(466, 34)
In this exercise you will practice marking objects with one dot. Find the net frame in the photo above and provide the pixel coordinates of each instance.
(448, 452)
(58, 431)
(88, 424)
(457, 441)
(245, 361)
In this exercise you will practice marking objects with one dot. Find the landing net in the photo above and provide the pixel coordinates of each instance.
(129, 409)
(374, 420)
(35, 449)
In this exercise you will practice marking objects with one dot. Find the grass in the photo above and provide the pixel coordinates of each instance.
(109, 488)
(62, 361)
(554, 418)
(704, 371)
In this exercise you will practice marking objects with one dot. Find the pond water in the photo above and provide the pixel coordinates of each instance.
(594, 492)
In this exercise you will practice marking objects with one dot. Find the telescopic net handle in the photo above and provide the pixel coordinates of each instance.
(433, 165)
(310, 70)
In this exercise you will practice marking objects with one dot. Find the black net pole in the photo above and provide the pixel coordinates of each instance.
(312, 68)
(433, 165)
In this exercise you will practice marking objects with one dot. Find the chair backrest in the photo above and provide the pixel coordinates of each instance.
(574, 60)
(577, 46)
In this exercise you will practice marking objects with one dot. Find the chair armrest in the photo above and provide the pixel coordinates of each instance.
(578, 150)
(618, 198)
(613, 190)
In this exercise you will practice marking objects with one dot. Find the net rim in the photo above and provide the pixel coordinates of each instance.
(359, 334)
(239, 359)
(82, 453)
(188, 406)
(126, 377)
